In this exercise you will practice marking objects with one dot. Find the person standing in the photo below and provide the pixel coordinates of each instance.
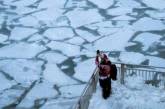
(103, 64)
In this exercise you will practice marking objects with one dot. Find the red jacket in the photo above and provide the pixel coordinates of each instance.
(104, 70)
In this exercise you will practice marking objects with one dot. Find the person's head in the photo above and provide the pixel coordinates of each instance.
(99, 53)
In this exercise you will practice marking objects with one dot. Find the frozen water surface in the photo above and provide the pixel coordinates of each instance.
(51, 44)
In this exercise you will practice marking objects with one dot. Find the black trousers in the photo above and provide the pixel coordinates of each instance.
(106, 87)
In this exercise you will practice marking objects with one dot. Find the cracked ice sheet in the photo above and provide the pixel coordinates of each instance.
(20, 50)
(157, 4)
(9, 96)
(54, 75)
(23, 71)
(116, 41)
(147, 39)
(72, 91)
(29, 21)
(129, 58)
(5, 83)
(59, 33)
(23, 2)
(53, 57)
(147, 24)
(76, 40)
(83, 17)
(67, 49)
(103, 4)
(123, 17)
(19, 33)
(39, 91)
(84, 70)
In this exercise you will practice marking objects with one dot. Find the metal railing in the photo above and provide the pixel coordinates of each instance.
(151, 75)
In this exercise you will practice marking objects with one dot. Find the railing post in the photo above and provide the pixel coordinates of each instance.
(122, 74)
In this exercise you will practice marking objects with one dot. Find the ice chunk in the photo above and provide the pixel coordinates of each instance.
(80, 20)
(156, 61)
(128, 3)
(39, 91)
(3, 38)
(54, 75)
(116, 41)
(29, 21)
(20, 50)
(23, 71)
(104, 4)
(53, 57)
(129, 57)
(147, 39)
(59, 33)
(76, 40)
(19, 33)
(5, 83)
(84, 70)
(119, 11)
(124, 17)
(72, 91)
(158, 4)
(67, 49)
(156, 14)
(147, 24)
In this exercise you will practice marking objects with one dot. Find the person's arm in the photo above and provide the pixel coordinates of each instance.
(97, 60)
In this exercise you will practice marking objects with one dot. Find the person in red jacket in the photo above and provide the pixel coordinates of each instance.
(103, 64)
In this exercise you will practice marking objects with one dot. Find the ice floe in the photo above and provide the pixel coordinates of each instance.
(23, 71)
(158, 4)
(115, 41)
(39, 91)
(3, 38)
(19, 33)
(147, 39)
(59, 33)
(148, 24)
(84, 70)
(76, 40)
(104, 4)
(20, 50)
(54, 75)
(129, 57)
(67, 49)
(83, 17)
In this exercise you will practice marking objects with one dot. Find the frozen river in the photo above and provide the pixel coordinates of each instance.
(47, 47)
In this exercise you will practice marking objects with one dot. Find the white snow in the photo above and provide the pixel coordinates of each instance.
(147, 39)
(158, 4)
(147, 24)
(20, 50)
(80, 19)
(84, 70)
(54, 75)
(133, 95)
(129, 57)
(67, 49)
(59, 33)
(115, 41)
(23, 71)
(104, 4)
(19, 33)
